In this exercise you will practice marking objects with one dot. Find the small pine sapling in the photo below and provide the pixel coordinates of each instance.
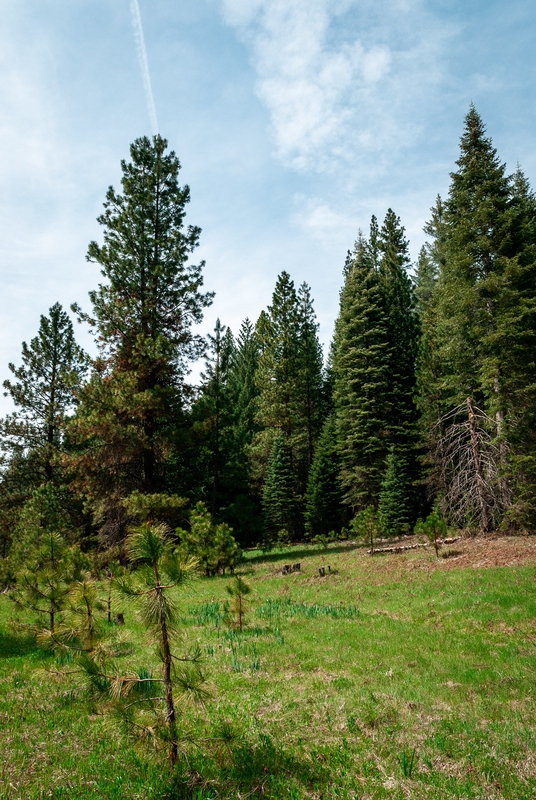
(42, 587)
(239, 590)
(81, 631)
(433, 527)
(113, 570)
(213, 546)
(367, 526)
(147, 704)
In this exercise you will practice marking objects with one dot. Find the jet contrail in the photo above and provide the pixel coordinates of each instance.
(144, 64)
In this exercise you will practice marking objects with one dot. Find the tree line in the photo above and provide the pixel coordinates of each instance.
(425, 402)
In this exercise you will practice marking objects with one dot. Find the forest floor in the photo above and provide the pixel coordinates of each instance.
(397, 676)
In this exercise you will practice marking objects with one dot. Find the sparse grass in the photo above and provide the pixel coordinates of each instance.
(398, 676)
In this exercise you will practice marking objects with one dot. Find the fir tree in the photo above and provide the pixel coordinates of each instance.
(325, 512)
(481, 314)
(289, 380)
(311, 369)
(361, 377)
(278, 501)
(395, 507)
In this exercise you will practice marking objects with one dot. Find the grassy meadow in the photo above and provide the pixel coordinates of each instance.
(398, 676)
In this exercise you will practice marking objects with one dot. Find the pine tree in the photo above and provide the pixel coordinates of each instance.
(278, 501)
(216, 407)
(44, 392)
(143, 318)
(403, 334)
(290, 382)
(325, 512)
(311, 369)
(481, 314)
(395, 508)
(361, 376)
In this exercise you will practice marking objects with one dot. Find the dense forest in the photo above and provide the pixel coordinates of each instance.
(424, 405)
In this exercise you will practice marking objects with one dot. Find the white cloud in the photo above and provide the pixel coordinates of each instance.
(340, 78)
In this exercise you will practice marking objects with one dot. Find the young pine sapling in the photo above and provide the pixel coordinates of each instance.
(147, 703)
(433, 527)
(239, 590)
(367, 526)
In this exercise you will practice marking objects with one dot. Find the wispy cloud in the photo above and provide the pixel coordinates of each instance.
(340, 78)
(144, 63)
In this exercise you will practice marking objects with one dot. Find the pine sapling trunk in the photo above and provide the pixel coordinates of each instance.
(481, 483)
(109, 602)
(167, 659)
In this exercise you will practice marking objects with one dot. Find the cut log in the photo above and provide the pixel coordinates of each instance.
(402, 547)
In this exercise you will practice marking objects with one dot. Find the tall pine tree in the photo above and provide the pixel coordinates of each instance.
(479, 329)
(143, 317)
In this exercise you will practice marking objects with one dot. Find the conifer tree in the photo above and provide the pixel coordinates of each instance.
(289, 379)
(361, 376)
(311, 369)
(216, 408)
(278, 501)
(143, 317)
(43, 392)
(44, 563)
(325, 512)
(395, 507)
(242, 504)
(482, 308)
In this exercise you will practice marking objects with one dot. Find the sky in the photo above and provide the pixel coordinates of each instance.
(294, 121)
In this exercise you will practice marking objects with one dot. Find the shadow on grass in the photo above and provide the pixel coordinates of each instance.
(13, 646)
(293, 555)
(261, 769)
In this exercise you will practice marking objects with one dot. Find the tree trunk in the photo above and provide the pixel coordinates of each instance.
(481, 483)
(170, 705)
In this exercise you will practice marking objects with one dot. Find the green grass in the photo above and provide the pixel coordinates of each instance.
(383, 679)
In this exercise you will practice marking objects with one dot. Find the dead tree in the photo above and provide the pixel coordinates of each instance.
(468, 460)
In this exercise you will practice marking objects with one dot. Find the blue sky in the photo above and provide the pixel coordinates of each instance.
(294, 121)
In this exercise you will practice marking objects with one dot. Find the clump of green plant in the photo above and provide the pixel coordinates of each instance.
(43, 585)
(433, 527)
(366, 526)
(408, 762)
(239, 606)
(81, 630)
(214, 546)
(147, 703)
(166, 508)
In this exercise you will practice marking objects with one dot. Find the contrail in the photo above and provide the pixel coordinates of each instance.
(144, 64)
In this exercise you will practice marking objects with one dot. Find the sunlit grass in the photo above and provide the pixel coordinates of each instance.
(385, 678)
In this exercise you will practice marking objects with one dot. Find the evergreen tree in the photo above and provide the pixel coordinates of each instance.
(278, 501)
(325, 512)
(217, 408)
(361, 377)
(374, 359)
(143, 317)
(311, 369)
(403, 334)
(395, 511)
(243, 510)
(289, 380)
(481, 319)
(43, 392)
